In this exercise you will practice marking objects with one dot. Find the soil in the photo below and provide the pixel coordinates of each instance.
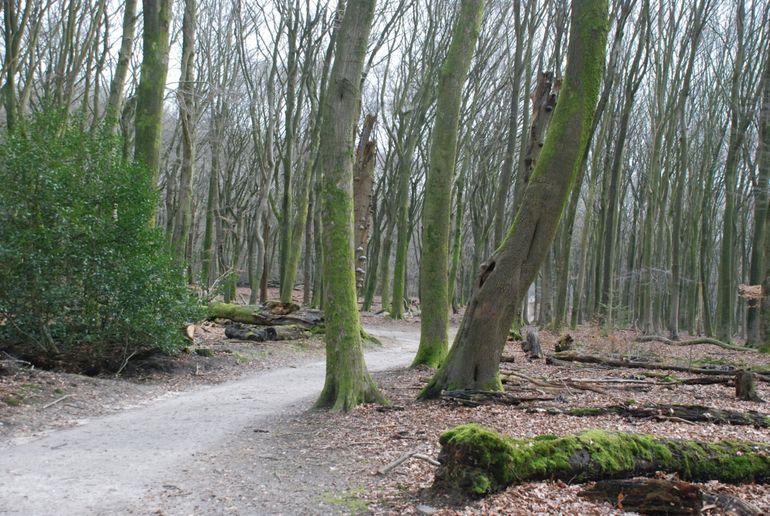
(235, 433)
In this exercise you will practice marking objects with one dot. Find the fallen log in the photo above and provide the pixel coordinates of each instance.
(658, 496)
(693, 342)
(476, 460)
(689, 413)
(274, 314)
(265, 333)
(716, 369)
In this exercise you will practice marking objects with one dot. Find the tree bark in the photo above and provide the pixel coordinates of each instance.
(152, 83)
(434, 276)
(347, 381)
(474, 359)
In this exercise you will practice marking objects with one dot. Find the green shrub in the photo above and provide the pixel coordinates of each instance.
(84, 281)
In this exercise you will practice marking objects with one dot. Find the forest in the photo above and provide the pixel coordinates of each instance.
(533, 235)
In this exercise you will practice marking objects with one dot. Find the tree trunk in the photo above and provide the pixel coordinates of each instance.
(347, 381)
(363, 181)
(115, 99)
(434, 277)
(475, 356)
(152, 83)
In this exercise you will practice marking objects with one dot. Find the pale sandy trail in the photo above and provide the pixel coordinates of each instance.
(108, 464)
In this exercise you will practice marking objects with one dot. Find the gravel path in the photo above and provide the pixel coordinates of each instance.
(159, 457)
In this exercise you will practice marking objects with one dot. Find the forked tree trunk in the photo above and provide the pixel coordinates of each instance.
(474, 359)
(434, 274)
(347, 381)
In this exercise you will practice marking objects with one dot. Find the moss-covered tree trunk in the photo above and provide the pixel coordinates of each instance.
(758, 309)
(434, 276)
(347, 381)
(474, 359)
(182, 238)
(479, 461)
(115, 99)
(148, 125)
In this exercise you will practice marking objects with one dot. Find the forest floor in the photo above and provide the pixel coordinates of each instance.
(234, 433)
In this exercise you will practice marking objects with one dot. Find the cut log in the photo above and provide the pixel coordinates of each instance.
(532, 345)
(270, 314)
(265, 333)
(477, 461)
(693, 342)
(565, 343)
(746, 387)
(690, 413)
(715, 369)
(659, 496)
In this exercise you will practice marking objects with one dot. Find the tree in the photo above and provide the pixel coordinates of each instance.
(347, 381)
(152, 82)
(474, 359)
(434, 277)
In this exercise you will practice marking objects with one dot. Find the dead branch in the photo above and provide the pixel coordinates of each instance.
(693, 342)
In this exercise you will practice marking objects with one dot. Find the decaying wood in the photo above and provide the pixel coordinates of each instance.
(270, 314)
(265, 333)
(716, 369)
(477, 461)
(660, 496)
(686, 413)
(474, 398)
(746, 387)
(565, 343)
(387, 468)
(693, 342)
(532, 345)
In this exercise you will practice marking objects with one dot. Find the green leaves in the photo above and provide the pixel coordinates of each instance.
(82, 276)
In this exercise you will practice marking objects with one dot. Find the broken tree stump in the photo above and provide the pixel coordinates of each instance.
(532, 345)
(659, 496)
(687, 413)
(746, 387)
(565, 343)
(476, 460)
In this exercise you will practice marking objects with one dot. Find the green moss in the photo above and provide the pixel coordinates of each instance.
(478, 460)
(351, 500)
(12, 401)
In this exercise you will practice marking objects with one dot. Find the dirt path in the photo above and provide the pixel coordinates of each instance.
(160, 457)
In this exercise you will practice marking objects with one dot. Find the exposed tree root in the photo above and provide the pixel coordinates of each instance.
(473, 398)
(478, 461)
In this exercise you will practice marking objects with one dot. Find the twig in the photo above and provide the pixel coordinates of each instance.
(54, 402)
(125, 363)
(384, 470)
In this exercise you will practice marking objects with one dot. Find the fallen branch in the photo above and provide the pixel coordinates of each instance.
(271, 314)
(693, 342)
(718, 369)
(681, 413)
(478, 461)
(54, 402)
(658, 496)
(387, 468)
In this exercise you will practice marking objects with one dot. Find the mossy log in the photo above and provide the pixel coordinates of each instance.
(271, 314)
(710, 369)
(693, 342)
(478, 461)
(690, 413)
(658, 496)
